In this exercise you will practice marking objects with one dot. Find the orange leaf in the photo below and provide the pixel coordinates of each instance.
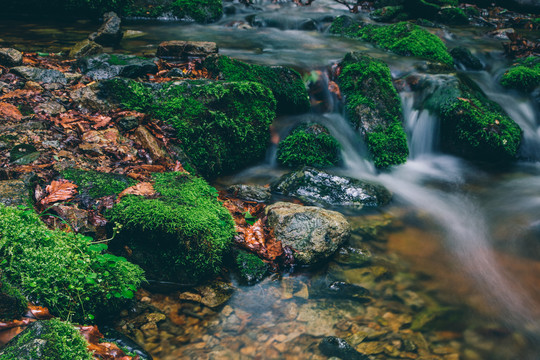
(9, 112)
(142, 188)
(59, 191)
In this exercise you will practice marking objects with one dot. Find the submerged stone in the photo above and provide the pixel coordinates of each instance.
(314, 233)
(212, 295)
(321, 188)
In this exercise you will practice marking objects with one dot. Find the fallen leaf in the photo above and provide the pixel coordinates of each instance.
(59, 190)
(142, 188)
(9, 112)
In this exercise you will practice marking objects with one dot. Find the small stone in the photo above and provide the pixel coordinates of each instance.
(51, 108)
(33, 86)
(155, 317)
(85, 48)
(250, 192)
(333, 346)
(10, 57)
(146, 299)
(227, 310)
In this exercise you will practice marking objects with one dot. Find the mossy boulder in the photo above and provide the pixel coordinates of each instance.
(465, 58)
(250, 267)
(524, 75)
(201, 11)
(452, 16)
(95, 184)
(223, 126)
(389, 13)
(63, 271)
(472, 126)
(12, 301)
(107, 66)
(402, 38)
(180, 235)
(373, 106)
(311, 145)
(47, 340)
(286, 84)
(427, 8)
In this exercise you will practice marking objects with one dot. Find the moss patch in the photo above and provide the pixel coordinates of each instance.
(402, 38)
(524, 75)
(374, 107)
(251, 268)
(179, 236)
(286, 84)
(310, 145)
(202, 11)
(223, 127)
(63, 271)
(12, 302)
(47, 340)
(97, 184)
(389, 13)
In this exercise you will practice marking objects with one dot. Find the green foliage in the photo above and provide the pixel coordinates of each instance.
(179, 236)
(97, 184)
(222, 126)
(373, 104)
(202, 11)
(63, 271)
(524, 75)
(286, 84)
(402, 38)
(309, 145)
(12, 301)
(58, 341)
(453, 16)
(251, 268)
(388, 13)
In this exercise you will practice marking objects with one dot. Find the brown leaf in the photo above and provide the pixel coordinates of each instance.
(59, 191)
(99, 121)
(142, 188)
(9, 112)
(17, 94)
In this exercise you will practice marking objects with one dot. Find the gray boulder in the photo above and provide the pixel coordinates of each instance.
(107, 66)
(46, 76)
(320, 188)
(250, 192)
(186, 49)
(314, 233)
(109, 33)
(10, 57)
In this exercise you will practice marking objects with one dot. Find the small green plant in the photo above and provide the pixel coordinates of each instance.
(250, 219)
(524, 75)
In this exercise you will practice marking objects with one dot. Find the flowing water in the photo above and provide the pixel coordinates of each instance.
(459, 235)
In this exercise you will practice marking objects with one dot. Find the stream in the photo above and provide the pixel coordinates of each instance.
(460, 240)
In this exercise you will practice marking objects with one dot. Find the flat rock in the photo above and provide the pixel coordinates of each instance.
(176, 49)
(107, 66)
(250, 192)
(85, 48)
(10, 57)
(40, 75)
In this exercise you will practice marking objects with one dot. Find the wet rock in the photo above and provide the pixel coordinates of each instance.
(40, 75)
(313, 233)
(501, 34)
(106, 66)
(250, 192)
(109, 33)
(150, 143)
(353, 257)
(186, 49)
(334, 346)
(50, 108)
(10, 57)
(317, 187)
(124, 342)
(87, 98)
(463, 57)
(212, 295)
(128, 123)
(342, 290)
(85, 48)
(250, 267)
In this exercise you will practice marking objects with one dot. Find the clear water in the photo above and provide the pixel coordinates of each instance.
(460, 235)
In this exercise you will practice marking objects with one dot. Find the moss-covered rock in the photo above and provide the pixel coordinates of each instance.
(181, 235)
(427, 8)
(286, 84)
(63, 271)
(223, 127)
(201, 11)
(389, 13)
(374, 107)
(472, 126)
(402, 38)
(250, 267)
(524, 75)
(47, 340)
(452, 16)
(97, 184)
(12, 301)
(310, 145)
(463, 56)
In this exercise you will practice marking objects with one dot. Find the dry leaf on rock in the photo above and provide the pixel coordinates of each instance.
(59, 190)
(142, 188)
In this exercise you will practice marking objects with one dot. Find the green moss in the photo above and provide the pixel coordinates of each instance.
(402, 38)
(464, 57)
(63, 271)
(524, 75)
(12, 301)
(310, 145)
(286, 84)
(179, 236)
(251, 268)
(388, 13)
(223, 127)
(453, 16)
(47, 340)
(427, 8)
(97, 184)
(202, 11)
(373, 105)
